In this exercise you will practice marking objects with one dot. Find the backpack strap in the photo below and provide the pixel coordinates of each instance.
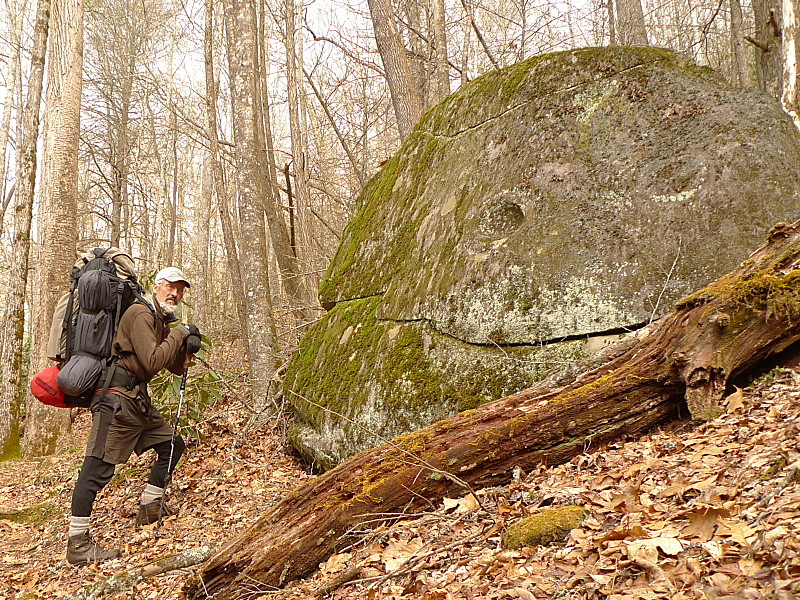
(110, 368)
(67, 323)
(137, 292)
(112, 365)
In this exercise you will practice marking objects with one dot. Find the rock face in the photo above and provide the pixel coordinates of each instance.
(570, 196)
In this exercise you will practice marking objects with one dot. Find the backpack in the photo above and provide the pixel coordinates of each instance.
(103, 286)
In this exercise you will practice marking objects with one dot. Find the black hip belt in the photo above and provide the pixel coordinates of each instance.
(124, 378)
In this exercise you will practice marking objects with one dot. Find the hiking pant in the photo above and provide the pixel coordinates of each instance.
(95, 474)
(122, 425)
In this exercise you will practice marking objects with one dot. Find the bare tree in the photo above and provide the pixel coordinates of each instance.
(240, 31)
(441, 62)
(406, 97)
(235, 275)
(767, 41)
(299, 140)
(12, 85)
(741, 72)
(123, 38)
(11, 389)
(46, 425)
(790, 46)
(631, 30)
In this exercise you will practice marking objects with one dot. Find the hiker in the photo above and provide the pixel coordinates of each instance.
(124, 419)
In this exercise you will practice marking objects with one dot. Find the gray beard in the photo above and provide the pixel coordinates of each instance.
(169, 309)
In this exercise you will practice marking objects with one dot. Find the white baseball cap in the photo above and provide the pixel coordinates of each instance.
(172, 274)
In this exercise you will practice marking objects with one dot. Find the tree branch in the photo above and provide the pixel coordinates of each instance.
(127, 579)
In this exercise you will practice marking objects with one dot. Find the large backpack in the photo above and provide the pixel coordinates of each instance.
(103, 287)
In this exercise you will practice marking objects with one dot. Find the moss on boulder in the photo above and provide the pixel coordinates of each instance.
(569, 196)
(357, 381)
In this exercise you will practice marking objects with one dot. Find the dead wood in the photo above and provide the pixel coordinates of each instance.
(343, 579)
(689, 357)
(127, 579)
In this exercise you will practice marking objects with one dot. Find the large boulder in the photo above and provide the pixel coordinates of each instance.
(570, 196)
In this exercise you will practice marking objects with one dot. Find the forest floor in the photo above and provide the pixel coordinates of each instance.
(689, 511)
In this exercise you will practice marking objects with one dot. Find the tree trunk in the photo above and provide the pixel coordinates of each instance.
(120, 152)
(612, 23)
(12, 85)
(767, 40)
(466, 46)
(441, 62)
(790, 42)
(240, 28)
(45, 425)
(691, 356)
(11, 390)
(172, 193)
(410, 26)
(235, 276)
(295, 282)
(202, 284)
(741, 70)
(631, 29)
(406, 97)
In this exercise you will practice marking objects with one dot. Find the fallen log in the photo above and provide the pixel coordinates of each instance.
(688, 358)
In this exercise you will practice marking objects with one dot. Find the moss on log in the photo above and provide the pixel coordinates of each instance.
(690, 356)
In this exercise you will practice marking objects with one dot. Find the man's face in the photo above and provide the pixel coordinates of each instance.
(170, 293)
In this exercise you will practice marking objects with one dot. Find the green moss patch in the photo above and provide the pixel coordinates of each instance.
(547, 527)
(358, 380)
(34, 515)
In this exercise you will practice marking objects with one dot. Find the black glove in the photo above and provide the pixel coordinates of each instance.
(192, 344)
(192, 341)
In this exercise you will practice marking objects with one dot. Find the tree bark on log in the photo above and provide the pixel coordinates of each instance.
(690, 357)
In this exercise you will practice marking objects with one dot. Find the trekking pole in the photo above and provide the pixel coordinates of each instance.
(175, 426)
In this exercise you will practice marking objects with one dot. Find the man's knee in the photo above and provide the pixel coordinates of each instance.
(170, 448)
(180, 446)
(95, 473)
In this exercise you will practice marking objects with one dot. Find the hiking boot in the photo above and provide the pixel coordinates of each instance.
(82, 550)
(148, 513)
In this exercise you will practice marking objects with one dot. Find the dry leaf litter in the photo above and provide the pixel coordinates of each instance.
(709, 511)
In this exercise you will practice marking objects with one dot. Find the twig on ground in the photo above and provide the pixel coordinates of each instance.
(127, 579)
(343, 578)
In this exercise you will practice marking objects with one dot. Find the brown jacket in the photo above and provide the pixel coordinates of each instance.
(146, 344)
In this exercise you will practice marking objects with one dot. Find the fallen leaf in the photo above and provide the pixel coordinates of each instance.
(648, 549)
(737, 531)
(702, 521)
(521, 593)
(735, 401)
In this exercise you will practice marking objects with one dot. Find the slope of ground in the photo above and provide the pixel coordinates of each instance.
(691, 512)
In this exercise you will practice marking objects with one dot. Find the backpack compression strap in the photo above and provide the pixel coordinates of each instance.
(112, 366)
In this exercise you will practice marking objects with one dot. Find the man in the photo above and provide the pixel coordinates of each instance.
(124, 419)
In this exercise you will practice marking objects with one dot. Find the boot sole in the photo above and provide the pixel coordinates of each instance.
(78, 564)
(87, 562)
